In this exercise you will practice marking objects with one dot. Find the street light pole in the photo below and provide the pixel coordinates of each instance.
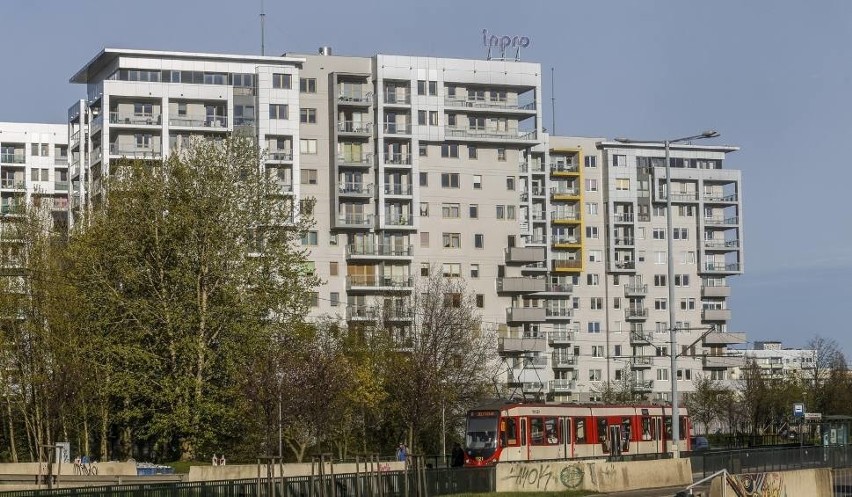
(675, 414)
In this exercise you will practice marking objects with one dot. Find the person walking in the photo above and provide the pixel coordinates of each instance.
(401, 452)
(457, 460)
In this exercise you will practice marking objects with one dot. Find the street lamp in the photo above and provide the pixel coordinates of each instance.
(670, 283)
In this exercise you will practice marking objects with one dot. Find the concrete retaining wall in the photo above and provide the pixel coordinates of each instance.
(804, 482)
(595, 476)
(32, 468)
(244, 471)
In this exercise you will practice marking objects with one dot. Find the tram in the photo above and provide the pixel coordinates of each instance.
(529, 432)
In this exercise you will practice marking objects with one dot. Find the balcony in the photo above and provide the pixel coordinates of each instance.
(488, 105)
(724, 338)
(399, 221)
(369, 282)
(360, 313)
(525, 314)
(538, 216)
(624, 241)
(538, 362)
(559, 313)
(565, 241)
(355, 128)
(122, 118)
(563, 386)
(13, 184)
(721, 267)
(562, 194)
(355, 189)
(564, 217)
(279, 156)
(451, 132)
(721, 198)
(212, 122)
(532, 387)
(562, 168)
(397, 314)
(567, 265)
(355, 221)
(60, 185)
(280, 188)
(563, 361)
(646, 386)
(355, 99)
(562, 337)
(722, 221)
(396, 128)
(621, 266)
(559, 288)
(61, 161)
(635, 290)
(641, 338)
(723, 361)
(397, 159)
(13, 158)
(360, 161)
(134, 152)
(398, 190)
(641, 362)
(378, 252)
(722, 245)
(716, 315)
(395, 98)
(520, 285)
(521, 342)
(716, 291)
(524, 254)
(636, 313)
(623, 217)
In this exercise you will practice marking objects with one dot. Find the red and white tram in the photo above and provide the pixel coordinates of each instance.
(529, 432)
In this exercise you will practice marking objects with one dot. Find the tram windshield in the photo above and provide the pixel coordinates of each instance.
(481, 431)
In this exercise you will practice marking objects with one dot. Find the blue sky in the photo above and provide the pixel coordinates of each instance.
(773, 76)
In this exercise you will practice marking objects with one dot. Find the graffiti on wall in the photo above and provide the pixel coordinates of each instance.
(758, 485)
(528, 477)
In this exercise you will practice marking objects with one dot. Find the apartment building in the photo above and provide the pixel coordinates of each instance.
(422, 165)
(776, 361)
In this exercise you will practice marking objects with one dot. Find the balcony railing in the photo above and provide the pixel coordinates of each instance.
(379, 281)
(635, 289)
(355, 127)
(397, 128)
(60, 185)
(558, 312)
(137, 119)
(378, 250)
(360, 99)
(623, 217)
(13, 158)
(641, 362)
(279, 156)
(395, 189)
(563, 385)
(564, 216)
(720, 221)
(355, 188)
(562, 167)
(624, 241)
(641, 337)
(566, 264)
(636, 313)
(721, 244)
(566, 240)
(560, 288)
(536, 362)
(399, 221)
(133, 153)
(722, 266)
(568, 192)
(398, 159)
(488, 134)
(199, 122)
(355, 161)
(12, 184)
(61, 161)
(643, 386)
(487, 104)
(563, 360)
(721, 198)
(394, 98)
(360, 313)
(561, 336)
(355, 220)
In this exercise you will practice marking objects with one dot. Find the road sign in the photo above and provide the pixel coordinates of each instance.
(798, 410)
(813, 416)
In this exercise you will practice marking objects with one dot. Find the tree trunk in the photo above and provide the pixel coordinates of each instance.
(12, 444)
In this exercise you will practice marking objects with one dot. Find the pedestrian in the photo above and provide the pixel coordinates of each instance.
(457, 456)
(215, 460)
(401, 452)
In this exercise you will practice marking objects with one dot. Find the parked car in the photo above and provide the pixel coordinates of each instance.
(699, 444)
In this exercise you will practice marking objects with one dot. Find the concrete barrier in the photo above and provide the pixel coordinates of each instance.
(595, 476)
(804, 482)
(32, 468)
(245, 471)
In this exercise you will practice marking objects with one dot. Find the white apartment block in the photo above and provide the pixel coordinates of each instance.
(777, 362)
(34, 169)
(421, 165)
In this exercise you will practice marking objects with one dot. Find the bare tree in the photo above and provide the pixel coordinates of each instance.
(705, 403)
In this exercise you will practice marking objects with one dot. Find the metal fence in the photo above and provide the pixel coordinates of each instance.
(416, 482)
(762, 459)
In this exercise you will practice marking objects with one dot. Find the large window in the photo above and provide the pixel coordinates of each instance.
(307, 85)
(450, 180)
(278, 111)
(283, 81)
(308, 146)
(308, 116)
(451, 270)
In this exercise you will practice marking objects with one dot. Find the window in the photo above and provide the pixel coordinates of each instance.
(143, 110)
(283, 81)
(591, 185)
(449, 180)
(423, 149)
(501, 154)
(619, 160)
(424, 239)
(433, 88)
(450, 211)
(451, 119)
(597, 351)
(308, 116)
(472, 152)
(595, 256)
(590, 161)
(659, 280)
(510, 183)
(143, 141)
(474, 270)
(307, 85)
(332, 268)
(421, 117)
(477, 182)
(452, 240)
(308, 147)
(474, 211)
(424, 179)
(659, 234)
(622, 184)
(510, 212)
(659, 212)
(451, 270)
(424, 209)
(659, 257)
(309, 238)
(44, 174)
(660, 304)
(662, 374)
(681, 280)
(309, 176)
(334, 298)
(591, 208)
(424, 269)
(421, 87)
(591, 232)
(596, 303)
(34, 150)
(278, 111)
(498, 95)
(687, 257)
(478, 240)
(501, 211)
(593, 327)
(433, 118)
(480, 300)
(680, 233)
(687, 304)
(686, 210)
(313, 299)
(594, 375)
(592, 279)
(450, 150)
(616, 304)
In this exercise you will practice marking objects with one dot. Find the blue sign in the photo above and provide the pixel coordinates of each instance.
(799, 410)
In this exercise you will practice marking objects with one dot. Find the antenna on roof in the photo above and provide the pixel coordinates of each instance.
(262, 32)
(552, 102)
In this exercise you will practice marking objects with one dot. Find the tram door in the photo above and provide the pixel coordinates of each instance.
(659, 435)
(525, 448)
(567, 439)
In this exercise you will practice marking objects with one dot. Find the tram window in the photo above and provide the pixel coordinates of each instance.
(625, 434)
(510, 431)
(647, 428)
(537, 432)
(668, 427)
(602, 426)
(579, 430)
(682, 430)
(551, 431)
